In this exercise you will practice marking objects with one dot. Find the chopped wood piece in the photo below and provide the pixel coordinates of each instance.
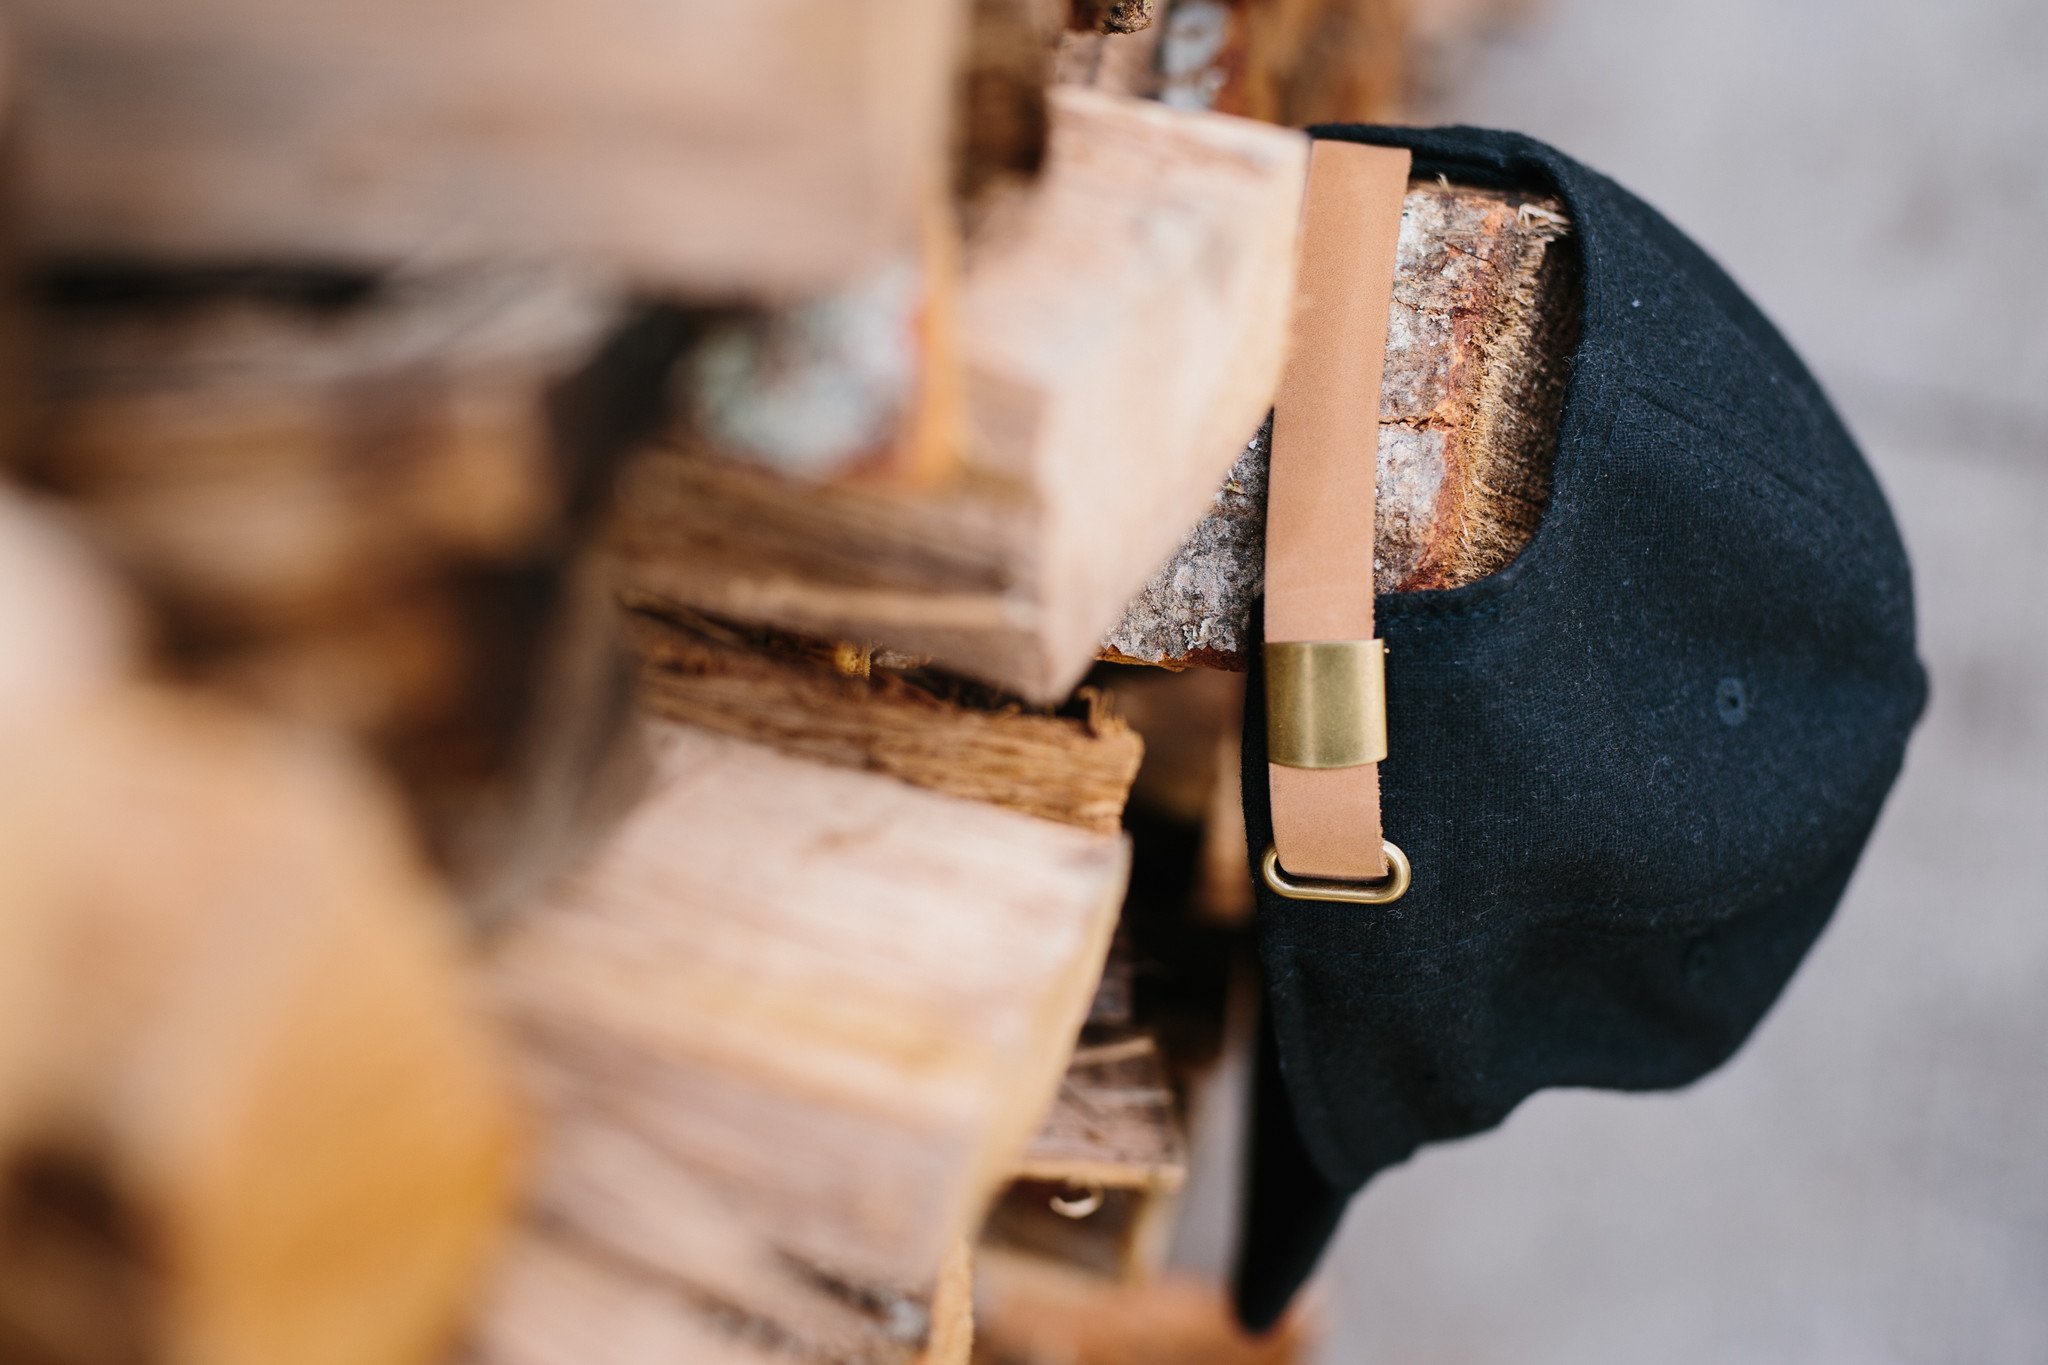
(681, 1271)
(823, 1005)
(67, 624)
(1114, 1139)
(952, 1333)
(265, 450)
(261, 1099)
(557, 1300)
(1122, 330)
(842, 705)
(360, 503)
(1046, 1319)
(714, 147)
(67, 634)
(1477, 357)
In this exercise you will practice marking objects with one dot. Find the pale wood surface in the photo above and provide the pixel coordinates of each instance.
(828, 1003)
(261, 1099)
(68, 624)
(1121, 328)
(952, 1333)
(719, 145)
(1477, 355)
(845, 706)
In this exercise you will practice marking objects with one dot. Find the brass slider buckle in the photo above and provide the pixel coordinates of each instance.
(1326, 707)
(1383, 892)
(1326, 703)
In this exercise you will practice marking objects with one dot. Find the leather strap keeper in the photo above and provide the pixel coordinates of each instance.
(1322, 661)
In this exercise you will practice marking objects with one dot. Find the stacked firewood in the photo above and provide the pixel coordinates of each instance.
(617, 644)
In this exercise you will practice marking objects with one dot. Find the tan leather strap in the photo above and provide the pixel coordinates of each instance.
(1325, 465)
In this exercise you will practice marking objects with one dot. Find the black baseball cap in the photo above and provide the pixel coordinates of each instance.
(1632, 771)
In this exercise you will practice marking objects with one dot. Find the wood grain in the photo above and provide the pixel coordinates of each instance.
(714, 147)
(824, 1005)
(1121, 328)
(842, 705)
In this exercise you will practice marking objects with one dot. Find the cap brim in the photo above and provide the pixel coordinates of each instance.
(1291, 1211)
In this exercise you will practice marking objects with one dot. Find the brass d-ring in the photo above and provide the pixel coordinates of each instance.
(1385, 891)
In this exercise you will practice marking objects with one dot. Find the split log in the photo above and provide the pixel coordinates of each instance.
(362, 504)
(263, 1125)
(1122, 328)
(1094, 1190)
(69, 634)
(814, 1011)
(951, 1339)
(1050, 1320)
(848, 706)
(713, 147)
(267, 450)
(1485, 317)
(681, 1272)
(68, 625)
(562, 1300)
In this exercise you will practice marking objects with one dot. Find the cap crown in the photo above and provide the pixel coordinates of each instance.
(1633, 770)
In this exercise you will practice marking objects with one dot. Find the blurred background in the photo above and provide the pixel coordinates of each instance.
(1866, 1182)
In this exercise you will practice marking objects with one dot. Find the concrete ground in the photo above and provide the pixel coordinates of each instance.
(1867, 1184)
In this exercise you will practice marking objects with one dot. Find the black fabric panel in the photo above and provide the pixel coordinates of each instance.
(1633, 771)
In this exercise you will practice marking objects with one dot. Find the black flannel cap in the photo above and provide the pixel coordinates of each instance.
(1633, 771)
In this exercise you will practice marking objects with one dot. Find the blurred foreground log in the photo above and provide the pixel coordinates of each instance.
(261, 1124)
(1478, 355)
(362, 504)
(1121, 330)
(792, 1025)
(714, 146)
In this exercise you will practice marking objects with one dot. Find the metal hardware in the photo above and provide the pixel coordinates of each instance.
(1326, 703)
(1078, 1201)
(1383, 892)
